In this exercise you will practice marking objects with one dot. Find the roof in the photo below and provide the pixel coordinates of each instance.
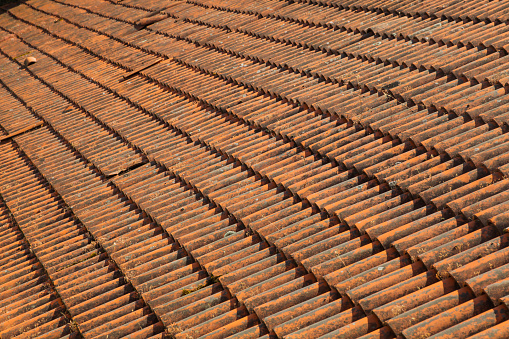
(254, 169)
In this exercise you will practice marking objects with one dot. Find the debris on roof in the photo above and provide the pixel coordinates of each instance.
(254, 169)
(29, 61)
(151, 20)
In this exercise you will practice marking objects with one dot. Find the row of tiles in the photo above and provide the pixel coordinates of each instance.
(148, 173)
(108, 153)
(320, 170)
(226, 266)
(478, 34)
(397, 153)
(436, 135)
(305, 17)
(433, 92)
(464, 10)
(128, 246)
(30, 306)
(98, 297)
(475, 149)
(473, 63)
(143, 281)
(13, 117)
(316, 241)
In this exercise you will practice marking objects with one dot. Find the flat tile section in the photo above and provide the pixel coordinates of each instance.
(254, 169)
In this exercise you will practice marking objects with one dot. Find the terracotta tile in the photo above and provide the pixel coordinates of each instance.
(321, 169)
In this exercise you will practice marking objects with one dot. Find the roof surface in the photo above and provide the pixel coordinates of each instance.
(254, 169)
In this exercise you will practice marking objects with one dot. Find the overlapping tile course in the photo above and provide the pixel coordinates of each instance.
(293, 170)
(30, 305)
